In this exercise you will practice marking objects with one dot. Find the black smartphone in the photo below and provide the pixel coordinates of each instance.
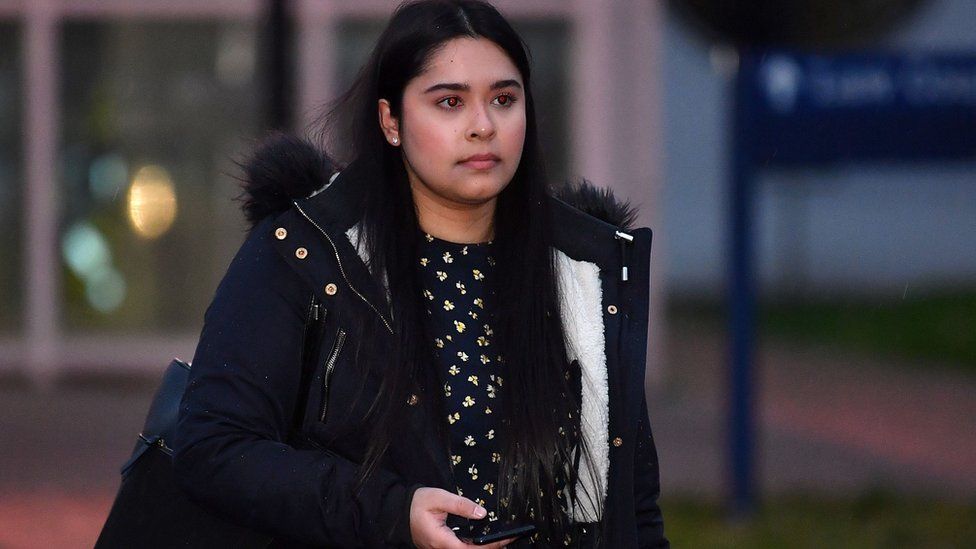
(497, 534)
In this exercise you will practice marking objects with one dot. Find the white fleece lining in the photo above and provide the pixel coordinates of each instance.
(581, 300)
(353, 235)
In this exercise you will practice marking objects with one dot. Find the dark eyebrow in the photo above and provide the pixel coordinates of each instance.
(455, 86)
(506, 84)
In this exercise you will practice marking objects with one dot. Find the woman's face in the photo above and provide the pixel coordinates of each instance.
(462, 123)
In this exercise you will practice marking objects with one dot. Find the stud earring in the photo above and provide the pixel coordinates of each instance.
(395, 140)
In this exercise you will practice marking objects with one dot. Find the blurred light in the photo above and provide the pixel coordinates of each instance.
(107, 176)
(105, 289)
(152, 202)
(85, 250)
(781, 80)
(87, 254)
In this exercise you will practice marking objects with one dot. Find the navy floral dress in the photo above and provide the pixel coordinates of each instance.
(459, 320)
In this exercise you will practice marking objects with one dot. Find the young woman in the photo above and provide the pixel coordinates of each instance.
(418, 342)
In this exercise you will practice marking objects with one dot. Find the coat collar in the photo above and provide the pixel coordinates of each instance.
(339, 205)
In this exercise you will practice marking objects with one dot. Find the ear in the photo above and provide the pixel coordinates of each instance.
(388, 123)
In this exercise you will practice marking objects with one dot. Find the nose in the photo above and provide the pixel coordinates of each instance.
(482, 125)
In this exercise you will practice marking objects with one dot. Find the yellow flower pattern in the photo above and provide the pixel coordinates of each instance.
(460, 328)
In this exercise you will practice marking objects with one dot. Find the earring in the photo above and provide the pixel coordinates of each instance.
(395, 140)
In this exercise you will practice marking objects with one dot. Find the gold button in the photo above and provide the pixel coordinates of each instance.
(281, 233)
(331, 289)
(301, 253)
(618, 442)
(412, 400)
(612, 309)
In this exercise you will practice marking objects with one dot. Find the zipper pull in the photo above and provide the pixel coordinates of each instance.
(316, 311)
(624, 239)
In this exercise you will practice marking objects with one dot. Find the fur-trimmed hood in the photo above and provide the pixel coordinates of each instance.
(284, 168)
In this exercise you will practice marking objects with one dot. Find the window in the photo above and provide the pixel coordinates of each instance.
(153, 115)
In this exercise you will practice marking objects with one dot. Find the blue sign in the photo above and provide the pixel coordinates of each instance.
(809, 109)
(802, 110)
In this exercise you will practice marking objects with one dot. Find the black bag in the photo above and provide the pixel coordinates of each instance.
(150, 510)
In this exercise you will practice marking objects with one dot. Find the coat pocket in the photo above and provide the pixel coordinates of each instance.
(330, 365)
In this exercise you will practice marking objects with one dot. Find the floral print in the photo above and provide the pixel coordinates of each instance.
(461, 332)
(459, 326)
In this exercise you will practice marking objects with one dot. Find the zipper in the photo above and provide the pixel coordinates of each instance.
(315, 311)
(311, 340)
(329, 368)
(341, 269)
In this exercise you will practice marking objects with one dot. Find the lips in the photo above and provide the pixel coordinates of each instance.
(481, 161)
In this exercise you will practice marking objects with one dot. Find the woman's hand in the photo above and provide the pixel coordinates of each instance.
(428, 519)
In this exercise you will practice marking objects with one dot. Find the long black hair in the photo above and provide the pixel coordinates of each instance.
(538, 400)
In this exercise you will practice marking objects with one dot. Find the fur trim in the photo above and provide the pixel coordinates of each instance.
(599, 202)
(281, 169)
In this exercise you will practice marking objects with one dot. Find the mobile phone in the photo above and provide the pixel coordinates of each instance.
(504, 532)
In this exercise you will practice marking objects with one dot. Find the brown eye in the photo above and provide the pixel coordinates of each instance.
(451, 102)
(504, 100)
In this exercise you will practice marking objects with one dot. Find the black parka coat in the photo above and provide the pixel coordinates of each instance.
(277, 350)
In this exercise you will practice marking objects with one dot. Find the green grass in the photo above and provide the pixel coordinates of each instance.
(873, 520)
(938, 327)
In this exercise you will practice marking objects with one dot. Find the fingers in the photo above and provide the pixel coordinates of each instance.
(428, 511)
(463, 507)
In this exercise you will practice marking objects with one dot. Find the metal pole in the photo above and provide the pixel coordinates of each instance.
(742, 428)
(279, 59)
